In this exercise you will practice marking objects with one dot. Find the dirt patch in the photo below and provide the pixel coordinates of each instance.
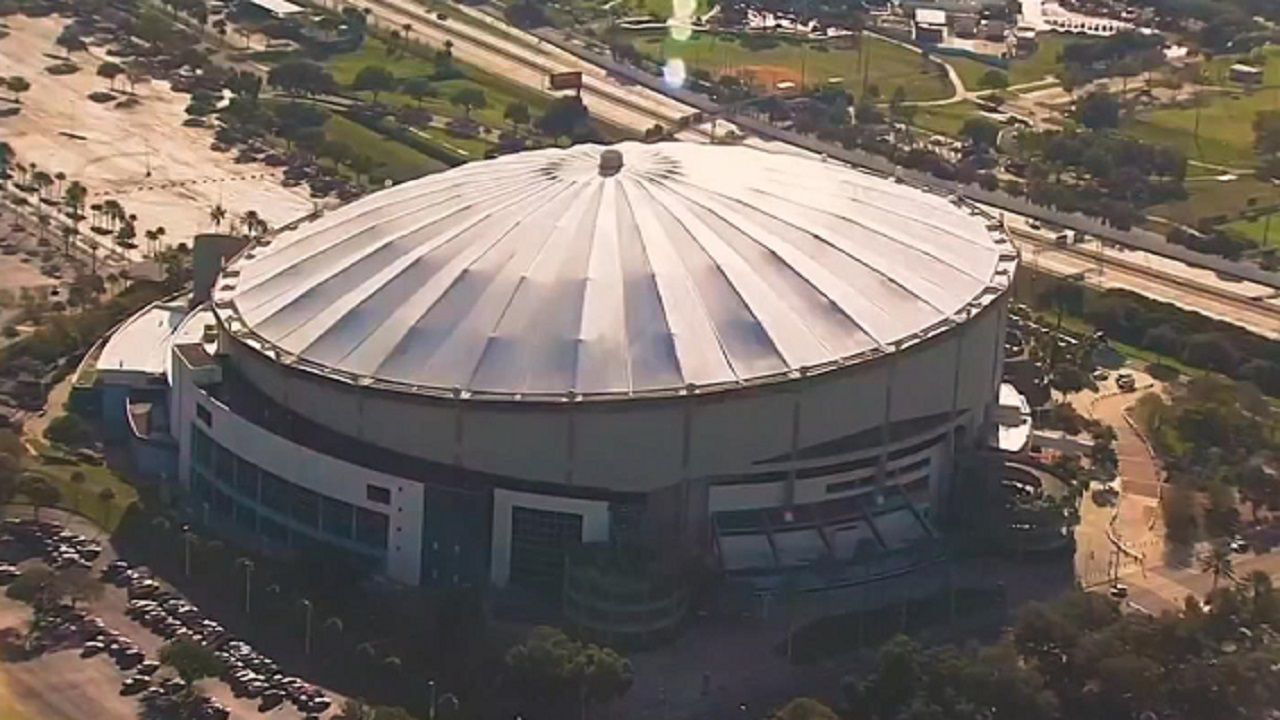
(140, 155)
(770, 76)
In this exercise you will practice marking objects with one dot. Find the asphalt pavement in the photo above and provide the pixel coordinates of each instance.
(60, 685)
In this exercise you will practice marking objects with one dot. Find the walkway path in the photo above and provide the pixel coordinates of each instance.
(1133, 519)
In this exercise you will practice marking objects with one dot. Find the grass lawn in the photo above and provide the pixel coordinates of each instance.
(83, 497)
(944, 119)
(1043, 62)
(1217, 68)
(1226, 127)
(395, 160)
(969, 70)
(1210, 197)
(498, 90)
(1258, 231)
(890, 65)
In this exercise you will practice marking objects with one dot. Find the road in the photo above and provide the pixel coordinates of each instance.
(527, 61)
(1248, 305)
(1165, 587)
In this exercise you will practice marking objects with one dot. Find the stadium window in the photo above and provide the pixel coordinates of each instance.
(375, 493)
(204, 415)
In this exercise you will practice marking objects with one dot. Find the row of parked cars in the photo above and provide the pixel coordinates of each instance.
(60, 547)
(249, 673)
(253, 675)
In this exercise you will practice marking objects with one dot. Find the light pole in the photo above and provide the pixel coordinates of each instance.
(447, 697)
(247, 564)
(306, 638)
(187, 537)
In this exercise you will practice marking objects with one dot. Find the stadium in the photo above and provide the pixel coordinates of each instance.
(757, 358)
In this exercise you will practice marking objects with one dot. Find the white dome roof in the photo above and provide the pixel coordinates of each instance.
(559, 274)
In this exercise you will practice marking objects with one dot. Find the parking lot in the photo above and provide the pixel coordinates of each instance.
(101, 660)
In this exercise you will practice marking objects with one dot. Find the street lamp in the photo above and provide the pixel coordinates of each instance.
(306, 638)
(247, 564)
(447, 697)
(187, 537)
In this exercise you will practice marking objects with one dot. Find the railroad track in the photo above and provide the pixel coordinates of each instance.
(1266, 315)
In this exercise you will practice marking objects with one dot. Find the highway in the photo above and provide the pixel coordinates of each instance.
(524, 59)
(498, 47)
(1248, 305)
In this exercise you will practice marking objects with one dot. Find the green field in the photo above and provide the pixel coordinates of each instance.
(395, 160)
(1226, 127)
(1225, 134)
(498, 91)
(1043, 62)
(888, 65)
(1209, 198)
(1216, 69)
(944, 119)
(1259, 231)
(83, 498)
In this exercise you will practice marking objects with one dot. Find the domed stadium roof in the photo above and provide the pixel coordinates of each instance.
(629, 270)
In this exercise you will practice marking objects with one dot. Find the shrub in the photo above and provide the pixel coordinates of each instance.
(68, 430)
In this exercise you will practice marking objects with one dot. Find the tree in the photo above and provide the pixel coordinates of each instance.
(301, 77)
(17, 85)
(468, 98)
(564, 117)
(77, 483)
(1266, 132)
(217, 215)
(70, 41)
(191, 660)
(76, 584)
(39, 492)
(110, 71)
(981, 132)
(73, 199)
(418, 88)
(374, 79)
(254, 225)
(551, 666)
(106, 496)
(993, 80)
(1099, 111)
(31, 586)
(68, 430)
(1218, 563)
(804, 709)
(517, 113)
(1222, 517)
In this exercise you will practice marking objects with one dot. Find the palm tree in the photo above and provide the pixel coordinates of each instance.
(59, 177)
(42, 182)
(73, 199)
(106, 496)
(217, 214)
(6, 160)
(253, 224)
(69, 234)
(77, 482)
(1218, 562)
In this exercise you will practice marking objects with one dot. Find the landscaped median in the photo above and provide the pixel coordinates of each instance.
(92, 490)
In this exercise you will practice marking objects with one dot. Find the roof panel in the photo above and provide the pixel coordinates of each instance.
(543, 274)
